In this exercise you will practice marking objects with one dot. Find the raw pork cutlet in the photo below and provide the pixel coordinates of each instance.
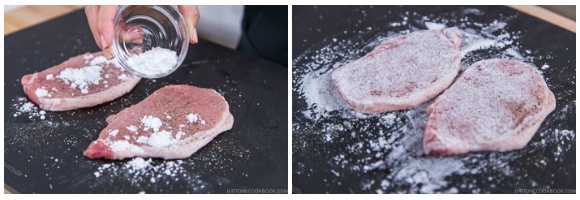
(81, 81)
(495, 105)
(401, 72)
(172, 123)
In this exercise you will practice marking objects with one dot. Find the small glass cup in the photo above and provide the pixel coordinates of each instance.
(141, 28)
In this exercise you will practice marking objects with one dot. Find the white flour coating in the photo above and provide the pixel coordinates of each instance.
(42, 92)
(161, 139)
(399, 71)
(475, 40)
(99, 60)
(113, 132)
(123, 145)
(392, 141)
(81, 77)
(192, 118)
(88, 57)
(153, 62)
(158, 138)
(132, 128)
(504, 87)
(150, 122)
(124, 77)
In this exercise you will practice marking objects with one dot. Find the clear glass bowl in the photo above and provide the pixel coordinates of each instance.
(141, 28)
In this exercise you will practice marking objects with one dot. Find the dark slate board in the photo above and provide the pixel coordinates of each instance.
(312, 162)
(253, 155)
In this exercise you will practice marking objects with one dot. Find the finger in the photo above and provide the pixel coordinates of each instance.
(92, 13)
(132, 34)
(191, 15)
(105, 27)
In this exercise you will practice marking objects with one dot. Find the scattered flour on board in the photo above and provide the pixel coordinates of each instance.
(22, 106)
(545, 66)
(153, 62)
(392, 141)
(142, 171)
(434, 26)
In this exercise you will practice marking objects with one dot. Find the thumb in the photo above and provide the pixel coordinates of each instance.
(191, 15)
(105, 28)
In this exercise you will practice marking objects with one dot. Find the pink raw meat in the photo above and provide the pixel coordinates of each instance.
(401, 72)
(172, 123)
(495, 105)
(81, 81)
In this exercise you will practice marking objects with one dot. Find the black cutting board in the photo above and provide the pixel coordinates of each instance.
(45, 156)
(320, 166)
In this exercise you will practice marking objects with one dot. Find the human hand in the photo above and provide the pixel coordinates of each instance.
(191, 15)
(101, 18)
(101, 23)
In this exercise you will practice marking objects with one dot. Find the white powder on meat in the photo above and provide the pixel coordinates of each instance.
(81, 77)
(151, 122)
(122, 145)
(142, 139)
(131, 128)
(161, 139)
(88, 56)
(179, 135)
(387, 148)
(113, 132)
(192, 117)
(153, 62)
(99, 60)
(124, 77)
(49, 77)
(41, 93)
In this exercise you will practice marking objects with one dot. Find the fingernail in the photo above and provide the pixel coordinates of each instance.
(109, 53)
(194, 36)
(103, 42)
(127, 37)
